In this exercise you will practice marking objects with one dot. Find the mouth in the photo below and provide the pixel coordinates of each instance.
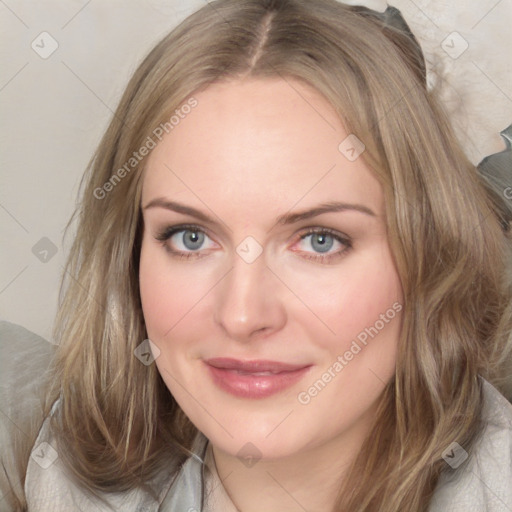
(254, 379)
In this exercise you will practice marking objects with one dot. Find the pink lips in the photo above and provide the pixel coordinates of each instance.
(254, 379)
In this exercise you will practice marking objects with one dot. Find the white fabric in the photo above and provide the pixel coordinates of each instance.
(484, 481)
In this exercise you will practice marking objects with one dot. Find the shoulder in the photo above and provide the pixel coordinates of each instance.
(25, 356)
(481, 479)
(50, 487)
(25, 359)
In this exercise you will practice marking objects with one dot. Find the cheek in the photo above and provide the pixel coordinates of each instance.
(351, 302)
(359, 358)
(167, 295)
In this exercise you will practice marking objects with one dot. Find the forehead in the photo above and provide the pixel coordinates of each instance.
(255, 144)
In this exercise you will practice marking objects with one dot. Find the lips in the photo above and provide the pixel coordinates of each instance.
(254, 379)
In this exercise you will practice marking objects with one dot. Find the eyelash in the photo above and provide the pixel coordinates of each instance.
(167, 233)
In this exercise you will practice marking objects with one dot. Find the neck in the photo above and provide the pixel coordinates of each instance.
(306, 480)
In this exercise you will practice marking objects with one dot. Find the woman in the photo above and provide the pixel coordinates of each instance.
(286, 278)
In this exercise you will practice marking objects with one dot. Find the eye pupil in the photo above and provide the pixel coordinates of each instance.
(192, 239)
(322, 242)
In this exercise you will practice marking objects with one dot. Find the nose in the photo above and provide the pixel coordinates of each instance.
(248, 302)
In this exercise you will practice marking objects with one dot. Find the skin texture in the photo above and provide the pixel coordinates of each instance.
(250, 151)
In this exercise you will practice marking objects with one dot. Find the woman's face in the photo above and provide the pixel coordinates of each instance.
(266, 332)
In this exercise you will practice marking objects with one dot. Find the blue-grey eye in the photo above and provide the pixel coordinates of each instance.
(192, 240)
(321, 242)
(186, 241)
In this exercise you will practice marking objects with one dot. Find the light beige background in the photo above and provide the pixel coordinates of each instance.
(54, 110)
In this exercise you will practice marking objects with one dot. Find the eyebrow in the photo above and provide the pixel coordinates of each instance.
(287, 218)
